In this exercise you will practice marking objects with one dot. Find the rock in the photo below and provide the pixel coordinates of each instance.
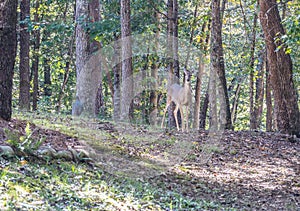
(83, 154)
(46, 152)
(6, 151)
(64, 154)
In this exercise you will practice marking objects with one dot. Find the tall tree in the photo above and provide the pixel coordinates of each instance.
(117, 76)
(8, 46)
(280, 69)
(126, 56)
(154, 74)
(251, 79)
(24, 96)
(269, 115)
(217, 62)
(88, 60)
(170, 57)
(36, 57)
(46, 66)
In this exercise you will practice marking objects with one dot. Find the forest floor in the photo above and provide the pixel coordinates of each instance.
(136, 167)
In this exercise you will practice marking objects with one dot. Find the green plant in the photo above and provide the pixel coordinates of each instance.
(24, 143)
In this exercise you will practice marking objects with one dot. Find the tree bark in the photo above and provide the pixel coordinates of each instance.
(205, 43)
(46, 66)
(259, 92)
(175, 39)
(204, 109)
(154, 76)
(36, 56)
(269, 114)
(117, 76)
(217, 64)
(24, 96)
(251, 79)
(8, 46)
(170, 58)
(281, 70)
(126, 52)
(88, 59)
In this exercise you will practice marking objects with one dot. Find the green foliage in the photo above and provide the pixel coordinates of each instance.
(24, 143)
(70, 186)
(56, 25)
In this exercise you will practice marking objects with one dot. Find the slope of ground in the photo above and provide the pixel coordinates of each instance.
(196, 170)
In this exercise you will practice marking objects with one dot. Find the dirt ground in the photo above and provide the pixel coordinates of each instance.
(243, 170)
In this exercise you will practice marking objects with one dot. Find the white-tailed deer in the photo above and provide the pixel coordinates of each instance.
(181, 96)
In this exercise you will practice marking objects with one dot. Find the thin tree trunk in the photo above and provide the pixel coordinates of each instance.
(281, 70)
(268, 99)
(36, 56)
(251, 79)
(24, 96)
(200, 73)
(126, 52)
(154, 76)
(66, 74)
(8, 46)
(198, 94)
(204, 109)
(94, 13)
(175, 39)
(217, 65)
(170, 58)
(235, 103)
(117, 76)
(46, 66)
(259, 92)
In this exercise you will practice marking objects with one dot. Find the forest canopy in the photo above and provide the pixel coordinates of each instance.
(56, 38)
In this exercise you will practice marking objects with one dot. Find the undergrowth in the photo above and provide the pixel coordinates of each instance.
(59, 185)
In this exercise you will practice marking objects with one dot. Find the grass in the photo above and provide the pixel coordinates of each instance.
(30, 184)
(60, 185)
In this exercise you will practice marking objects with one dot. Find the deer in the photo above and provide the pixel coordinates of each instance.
(181, 96)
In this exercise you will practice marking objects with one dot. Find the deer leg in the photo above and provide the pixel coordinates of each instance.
(175, 115)
(182, 118)
(187, 118)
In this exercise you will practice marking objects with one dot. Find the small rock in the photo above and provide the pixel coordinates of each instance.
(64, 154)
(83, 154)
(6, 151)
(46, 152)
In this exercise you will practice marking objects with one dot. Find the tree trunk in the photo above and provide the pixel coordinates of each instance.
(117, 75)
(198, 94)
(126, 52)
(259, 92)
(200, 73)
(251, 79)
(88, 61)
(170, 58)
(175, 39)
(35, 62)
(268, 100)
(24, 96)
(154, 76)
(280, 67)
(46, 66)
(217, 65)
(94, 13)
(204, 109)
(235, 102)
(8, 46)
